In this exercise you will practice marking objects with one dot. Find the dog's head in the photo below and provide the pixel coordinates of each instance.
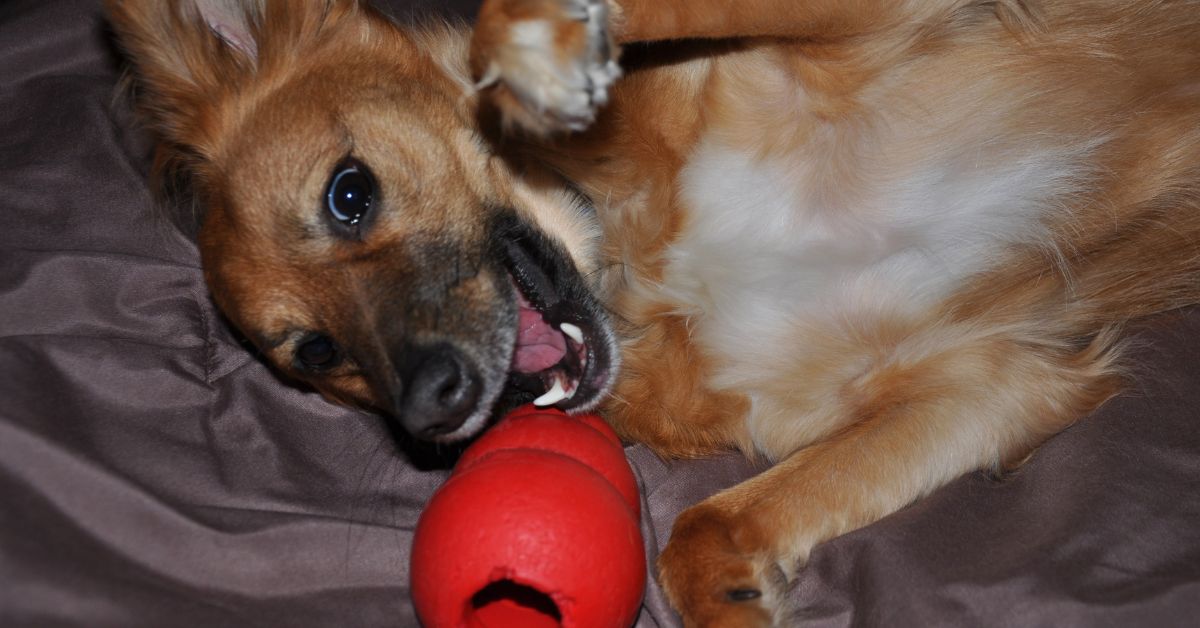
(357, 228)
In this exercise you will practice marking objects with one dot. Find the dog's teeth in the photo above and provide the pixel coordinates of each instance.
(556, 394)
(572, 332)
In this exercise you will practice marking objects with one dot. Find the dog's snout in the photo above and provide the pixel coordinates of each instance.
(440, 391)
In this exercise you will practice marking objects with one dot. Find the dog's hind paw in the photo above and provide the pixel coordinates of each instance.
(547, 64)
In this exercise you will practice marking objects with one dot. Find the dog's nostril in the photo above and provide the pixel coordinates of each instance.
(452, 389)
(441, 393)
(456, 390)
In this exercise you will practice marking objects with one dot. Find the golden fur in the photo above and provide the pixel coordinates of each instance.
(980, 194)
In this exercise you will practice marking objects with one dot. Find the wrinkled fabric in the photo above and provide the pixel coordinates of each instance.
(154, 472)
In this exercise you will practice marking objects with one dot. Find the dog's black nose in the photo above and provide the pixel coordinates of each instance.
(440, 391)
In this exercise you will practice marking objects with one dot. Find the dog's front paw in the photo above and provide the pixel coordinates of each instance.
(718, 570)
(548, 64)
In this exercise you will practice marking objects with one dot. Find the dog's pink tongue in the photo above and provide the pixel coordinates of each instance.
(539, 346)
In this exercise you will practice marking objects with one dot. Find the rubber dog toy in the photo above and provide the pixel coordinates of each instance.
(537, 526)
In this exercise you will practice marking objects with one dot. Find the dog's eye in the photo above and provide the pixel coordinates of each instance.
(350, 193)
(318, 353)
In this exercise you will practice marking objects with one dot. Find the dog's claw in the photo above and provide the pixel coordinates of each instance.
(743, 595)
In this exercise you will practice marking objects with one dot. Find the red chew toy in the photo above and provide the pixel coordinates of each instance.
(537, 526)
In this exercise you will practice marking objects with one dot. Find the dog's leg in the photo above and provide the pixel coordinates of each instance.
(824, 20)
(917, 418)
(548, 65)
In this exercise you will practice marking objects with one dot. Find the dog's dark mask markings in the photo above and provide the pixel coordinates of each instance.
(434, 386)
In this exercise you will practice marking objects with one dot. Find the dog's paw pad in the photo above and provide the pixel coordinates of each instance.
(557, 68)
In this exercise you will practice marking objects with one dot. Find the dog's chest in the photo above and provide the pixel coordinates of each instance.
(847, 224)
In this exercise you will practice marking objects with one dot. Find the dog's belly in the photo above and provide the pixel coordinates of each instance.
(844, 229)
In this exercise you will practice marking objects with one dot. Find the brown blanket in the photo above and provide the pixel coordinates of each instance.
(153, 472)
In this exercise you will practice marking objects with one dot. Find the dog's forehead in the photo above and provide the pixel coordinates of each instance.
(277, 166)
(270, 245)
(307, 125)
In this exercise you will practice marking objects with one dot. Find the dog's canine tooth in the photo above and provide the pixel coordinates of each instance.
(556, 394)
(572, 332)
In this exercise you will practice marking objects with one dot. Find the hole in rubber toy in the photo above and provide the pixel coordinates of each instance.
(506, 604)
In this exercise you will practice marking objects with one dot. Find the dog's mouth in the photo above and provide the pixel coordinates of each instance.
(564, 350)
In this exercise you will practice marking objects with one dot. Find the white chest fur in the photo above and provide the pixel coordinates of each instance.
(850, 228)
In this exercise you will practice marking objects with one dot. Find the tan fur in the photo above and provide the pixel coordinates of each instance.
(865, 407)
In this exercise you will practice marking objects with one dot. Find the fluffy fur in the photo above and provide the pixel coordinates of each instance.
(879, 243)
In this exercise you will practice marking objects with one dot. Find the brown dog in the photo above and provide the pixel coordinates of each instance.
(880, 243)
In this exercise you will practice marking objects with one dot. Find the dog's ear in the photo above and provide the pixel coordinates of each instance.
(191, 57)
(231, 21)
(187, 55)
